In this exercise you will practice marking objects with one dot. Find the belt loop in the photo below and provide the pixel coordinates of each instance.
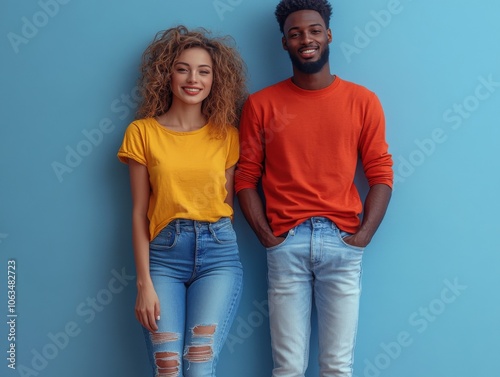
(211, 230)
(334, 226)
(178, 226)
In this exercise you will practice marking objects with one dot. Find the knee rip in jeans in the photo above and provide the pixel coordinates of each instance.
(201, 353)
(164, 337)
(167, 364)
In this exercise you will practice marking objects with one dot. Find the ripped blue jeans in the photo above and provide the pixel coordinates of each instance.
(197, 275)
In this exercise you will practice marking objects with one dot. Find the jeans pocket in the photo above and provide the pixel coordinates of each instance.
(224, 234)
(165, 240)
(287, 237)
(342, 234)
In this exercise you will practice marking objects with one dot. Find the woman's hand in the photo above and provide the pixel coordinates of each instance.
(147, 308)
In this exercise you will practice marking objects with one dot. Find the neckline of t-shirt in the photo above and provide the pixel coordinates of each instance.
(179, 133)
(316, 92)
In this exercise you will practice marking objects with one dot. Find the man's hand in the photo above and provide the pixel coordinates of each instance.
(356, 240)
(376, 204)
(272, 241)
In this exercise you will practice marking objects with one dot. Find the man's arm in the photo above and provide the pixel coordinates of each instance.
(248, 174)
(377, 165)
(253, 210)
(375, 207)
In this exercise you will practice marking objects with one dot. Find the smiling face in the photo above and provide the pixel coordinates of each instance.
(192, 76)
(306, 39)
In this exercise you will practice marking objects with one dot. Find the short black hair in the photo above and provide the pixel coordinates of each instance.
(285, 7)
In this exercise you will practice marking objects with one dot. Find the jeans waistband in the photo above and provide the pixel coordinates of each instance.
(191, 225)
(319, 222)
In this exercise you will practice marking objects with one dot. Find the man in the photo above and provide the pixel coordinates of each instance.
(303, 137)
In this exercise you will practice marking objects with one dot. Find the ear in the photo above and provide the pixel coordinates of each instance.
(283, 43)
(329, 35)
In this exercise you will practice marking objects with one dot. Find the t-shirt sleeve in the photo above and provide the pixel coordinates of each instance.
(376, 159)
(133, 146)
(250, 165)
(234, 148)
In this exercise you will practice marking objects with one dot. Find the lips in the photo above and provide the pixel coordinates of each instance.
(191, 90)
(308, 52)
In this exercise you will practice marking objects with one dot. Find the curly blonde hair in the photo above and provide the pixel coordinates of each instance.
(223, 105)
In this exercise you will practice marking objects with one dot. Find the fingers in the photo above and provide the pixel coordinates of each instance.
(156, 317)
(147, 317)
(152, 321)
(157, 311)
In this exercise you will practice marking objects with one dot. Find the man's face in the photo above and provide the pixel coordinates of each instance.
(306, 39)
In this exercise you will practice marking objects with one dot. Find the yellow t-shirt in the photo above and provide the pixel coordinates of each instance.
(186, 171)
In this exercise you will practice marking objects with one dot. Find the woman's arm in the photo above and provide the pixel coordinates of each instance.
(230, 186)
(147, 307)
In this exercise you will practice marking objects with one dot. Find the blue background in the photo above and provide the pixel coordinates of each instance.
(430, 304)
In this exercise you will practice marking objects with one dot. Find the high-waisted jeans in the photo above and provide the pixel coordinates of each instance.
(314, 262)
(197, 275)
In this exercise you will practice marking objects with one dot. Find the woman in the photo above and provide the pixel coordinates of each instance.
(181, 156)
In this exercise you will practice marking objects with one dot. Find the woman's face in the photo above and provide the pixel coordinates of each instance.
(192, 76)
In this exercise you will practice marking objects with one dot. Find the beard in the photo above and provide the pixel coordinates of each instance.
(311, 67)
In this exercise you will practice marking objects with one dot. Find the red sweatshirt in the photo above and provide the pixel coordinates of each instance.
(305, 145)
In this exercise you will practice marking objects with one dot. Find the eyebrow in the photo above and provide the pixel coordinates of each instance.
(312, 25)
(201, 65)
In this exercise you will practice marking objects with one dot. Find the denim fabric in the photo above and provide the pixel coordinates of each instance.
(314, 262)
(197, 274)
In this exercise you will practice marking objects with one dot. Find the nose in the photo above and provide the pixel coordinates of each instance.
(306, 38)
(192, 77)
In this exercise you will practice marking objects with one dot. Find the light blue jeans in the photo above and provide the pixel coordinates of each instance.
(314, 262)
(197, 274)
